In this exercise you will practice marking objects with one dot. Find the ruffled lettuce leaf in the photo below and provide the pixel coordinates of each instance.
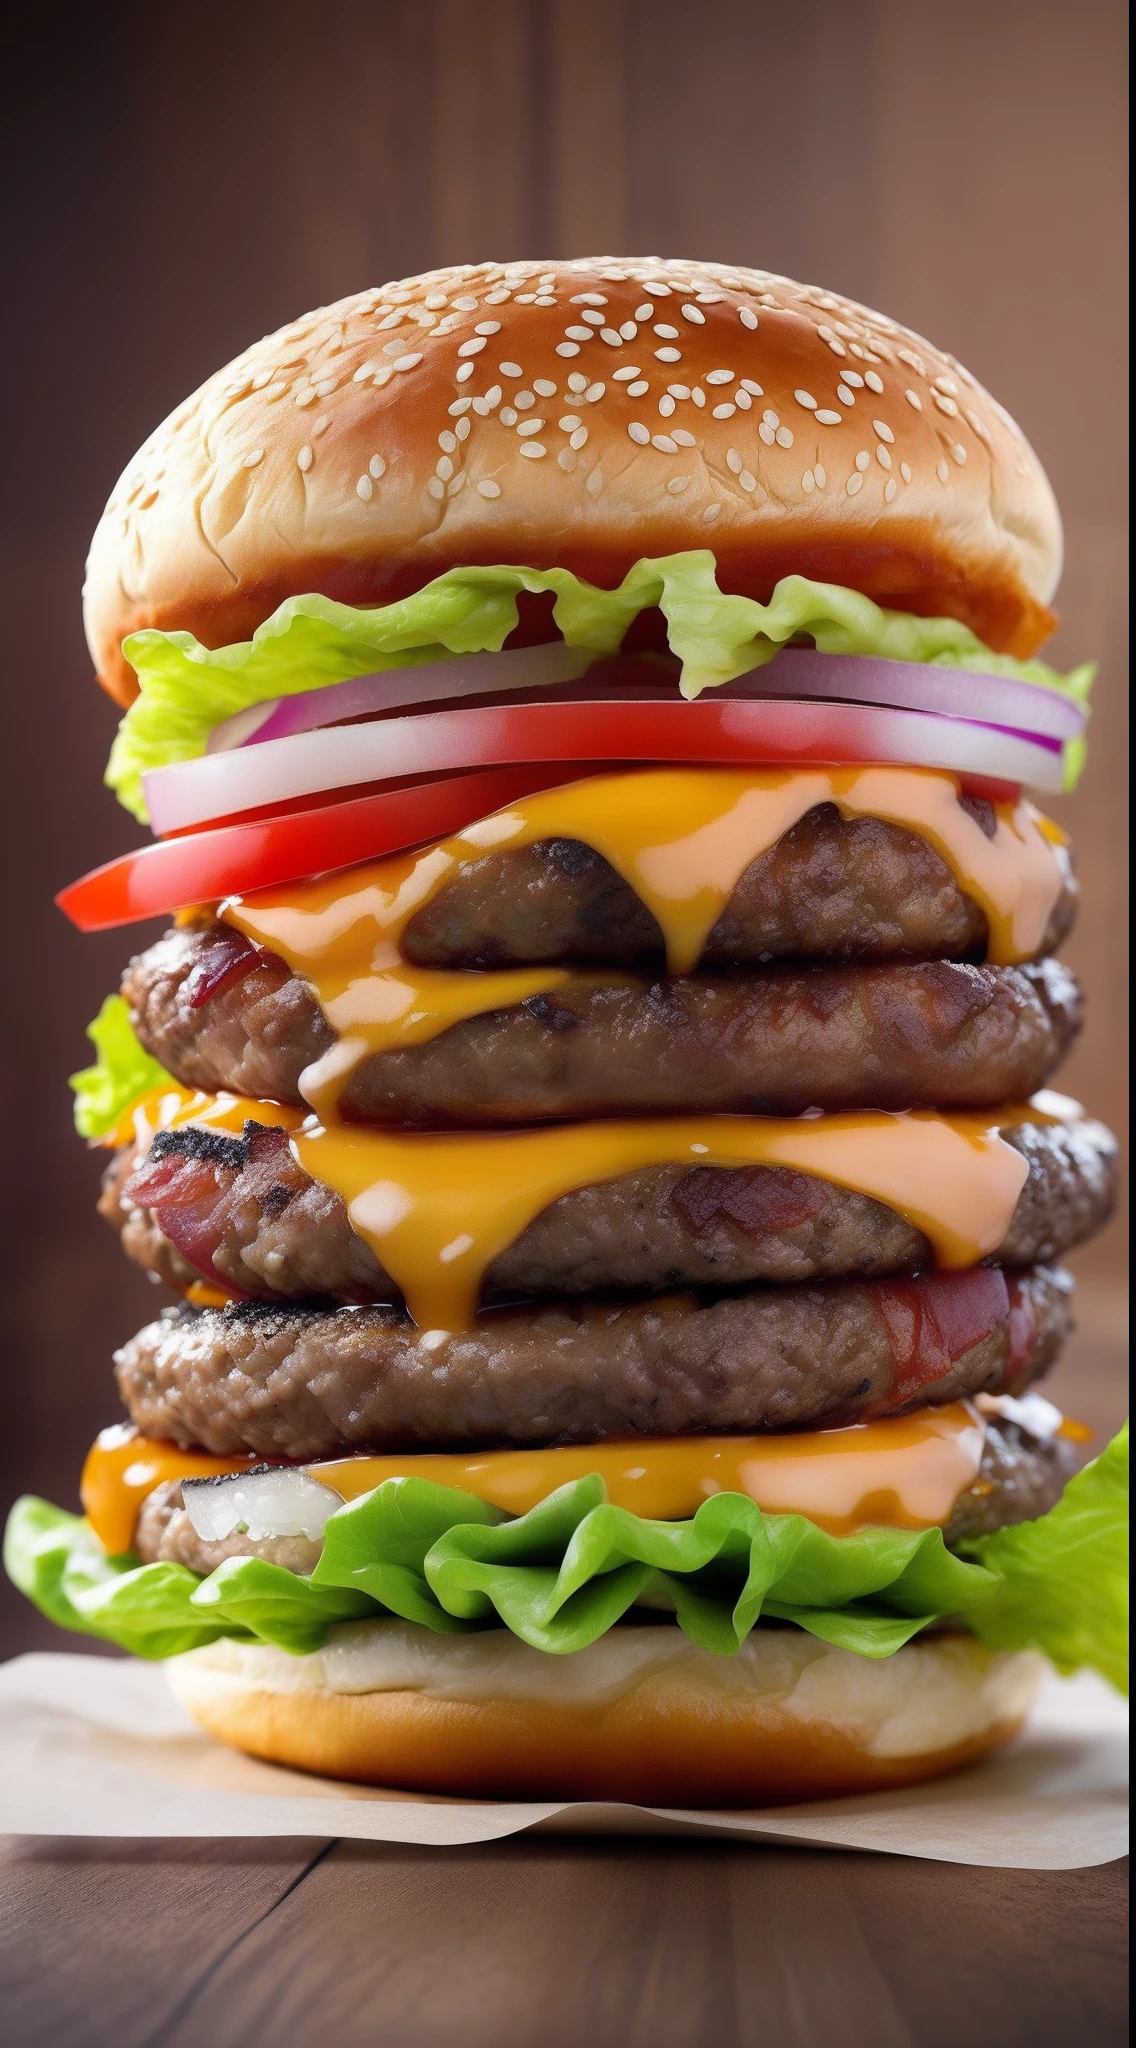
(123, 1071)
(564, 1573)
(1063, 1580)
(558, 1577)
(187, 689)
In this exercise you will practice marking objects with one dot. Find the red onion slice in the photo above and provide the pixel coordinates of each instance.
(1001, 701)
(469, 675)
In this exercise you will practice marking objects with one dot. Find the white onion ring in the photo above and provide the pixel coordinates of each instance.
(194, 793)
(279, 1501)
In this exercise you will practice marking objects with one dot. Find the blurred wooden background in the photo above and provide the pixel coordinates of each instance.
(182, 180)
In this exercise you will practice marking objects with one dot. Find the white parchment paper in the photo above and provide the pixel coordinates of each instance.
(94, 1746)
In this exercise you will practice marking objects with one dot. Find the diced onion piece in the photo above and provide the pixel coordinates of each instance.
(276, 1501)
(196, 793)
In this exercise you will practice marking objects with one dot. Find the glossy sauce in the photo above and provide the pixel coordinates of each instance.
(341, 934)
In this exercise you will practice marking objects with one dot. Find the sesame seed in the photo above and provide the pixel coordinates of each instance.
(698, 395)
(377, 467)
(669, 355)
(463, 430)
(679, 390)
(515, 370)
(771, 418)
(666, 333)
(488, 489)
(855, 483)
(719, 376)
(629, 330)
(882, 456)
(466, 305)
(364, 488)
(444, 468)
(625, 375)
(364, 371)
(577, 383)
(829, 419)
(767, 434)
(578, 333)
(846, 396)
(684, 439)
(905, 472)
(890, 489)
(694, 313)
(589, 299)
(666, 405)
(326, 385)
(304, 458)
(459, 406)
(747, 316)
(533, 448)
(523, 400)
(436, 487)
(492, 396)
(578, 437)
(806, 399)
(530, 426)
(784, 437)
(946, 384)
(488, 327)
(734, 461)
(434, 301)
(543, 388)
(305, 397)
(638, 432)
(942, 472)
(464, 372)
(914, 362)
(711, 512)
(544, 299)
(254, 456)
(747, 480)
(595, 483)
(657, 286)
(873, 381)
(594, 393)
(448, 442)
(821, 476)
(863, 459)
(959, 453)
(677, 484)
(567, 348)
(409, 362)
(593, 320)
(946, 405)
(457, 484)
(883, 430)
(808, 482)
(567, 458)
(493, 298)
(570, 422)
(723, 412)
(754, 390)
(914, 399)
(507, 416)
(644, 312)
(664, 444)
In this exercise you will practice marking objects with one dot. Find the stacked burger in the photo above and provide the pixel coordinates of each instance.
(591, 1102)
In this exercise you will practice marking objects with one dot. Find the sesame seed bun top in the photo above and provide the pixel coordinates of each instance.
(578, 415)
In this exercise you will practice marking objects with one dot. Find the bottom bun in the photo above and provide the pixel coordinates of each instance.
(641, 1715)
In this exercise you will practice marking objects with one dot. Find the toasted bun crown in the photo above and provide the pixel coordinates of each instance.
(578, 415)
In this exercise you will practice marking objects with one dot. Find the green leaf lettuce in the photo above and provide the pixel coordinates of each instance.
(123, 1072)
(187, 689)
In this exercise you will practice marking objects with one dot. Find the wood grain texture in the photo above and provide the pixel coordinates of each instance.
(562, 1943)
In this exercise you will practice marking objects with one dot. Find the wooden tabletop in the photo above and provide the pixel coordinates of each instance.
(543, 1943)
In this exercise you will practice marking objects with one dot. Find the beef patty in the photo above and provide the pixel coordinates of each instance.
(243, 1211)
(832, 888)
(938, 1034)
(308, 1383)
(1021, 1477)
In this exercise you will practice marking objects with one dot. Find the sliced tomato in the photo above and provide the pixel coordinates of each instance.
(555, 742)
(202, 867)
